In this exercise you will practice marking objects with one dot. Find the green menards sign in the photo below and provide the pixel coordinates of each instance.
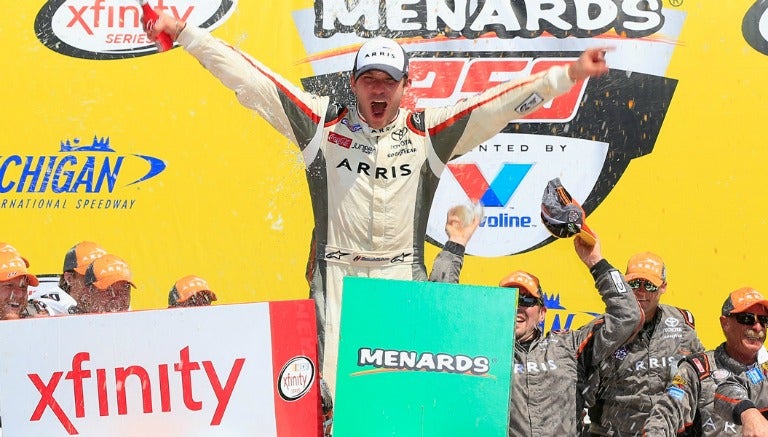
(424, 359)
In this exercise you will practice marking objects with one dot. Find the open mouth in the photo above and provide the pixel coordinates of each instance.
(378, 108)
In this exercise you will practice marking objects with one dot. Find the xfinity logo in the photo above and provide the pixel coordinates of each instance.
(111, 384)
(296, 378)
(101, 29)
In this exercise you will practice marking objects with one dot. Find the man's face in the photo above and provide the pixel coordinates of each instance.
(648, 299)
(378, 97)
(528, 317)
(744, 340)
(199, 299)
(115, 298)
(13, 298)
(77, 287)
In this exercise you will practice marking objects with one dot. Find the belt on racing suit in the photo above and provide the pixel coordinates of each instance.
(359, 258)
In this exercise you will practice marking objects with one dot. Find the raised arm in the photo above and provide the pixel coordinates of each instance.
(623, 316)
(591, 63)
(482, 116)
(296, 114)
(450, 260)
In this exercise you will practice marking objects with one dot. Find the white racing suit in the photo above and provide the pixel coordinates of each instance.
(371, 189)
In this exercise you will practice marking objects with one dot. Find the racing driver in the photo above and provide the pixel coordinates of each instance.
(372, 167)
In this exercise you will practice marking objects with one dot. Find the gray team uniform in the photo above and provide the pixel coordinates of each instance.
(740, 392)
(448, 263)
(544, 399)
(623, 388)
(688, 407)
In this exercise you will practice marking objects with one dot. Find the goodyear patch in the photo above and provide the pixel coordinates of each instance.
(676, 393)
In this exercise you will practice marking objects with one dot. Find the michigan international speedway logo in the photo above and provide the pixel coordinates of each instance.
(83, 175)
(586, 137)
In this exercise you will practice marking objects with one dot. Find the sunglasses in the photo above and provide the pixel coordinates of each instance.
(749, 319)
(528, 301)
(637, 283)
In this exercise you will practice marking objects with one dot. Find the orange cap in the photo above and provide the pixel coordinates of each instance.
(647, 265)
(523, 280)
(107, 270)
(739, 300)
(12, 266)
(81, 255)
(186, 287)
(5, 247)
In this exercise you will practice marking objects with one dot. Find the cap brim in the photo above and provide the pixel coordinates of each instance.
(742, 309)
(394, 72)
(653, 279)
(534, 293)
(586, 235)
(104, 283)
(33, 281)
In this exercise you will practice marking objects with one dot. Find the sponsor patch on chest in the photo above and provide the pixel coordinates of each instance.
(340, 140)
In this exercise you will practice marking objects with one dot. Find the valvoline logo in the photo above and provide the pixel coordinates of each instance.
(495, 193)
(95, 168)
(112, 29)
(508, 177)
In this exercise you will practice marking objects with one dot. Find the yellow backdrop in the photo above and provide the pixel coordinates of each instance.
(232, 205)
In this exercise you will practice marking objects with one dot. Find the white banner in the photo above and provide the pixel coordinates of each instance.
(192, 371)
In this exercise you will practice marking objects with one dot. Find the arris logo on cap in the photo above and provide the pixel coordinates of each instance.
(382, 54)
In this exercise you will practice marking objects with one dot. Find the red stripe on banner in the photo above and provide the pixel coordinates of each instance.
(296, 373)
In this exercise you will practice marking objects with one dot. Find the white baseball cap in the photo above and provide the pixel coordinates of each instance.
(381, 54)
